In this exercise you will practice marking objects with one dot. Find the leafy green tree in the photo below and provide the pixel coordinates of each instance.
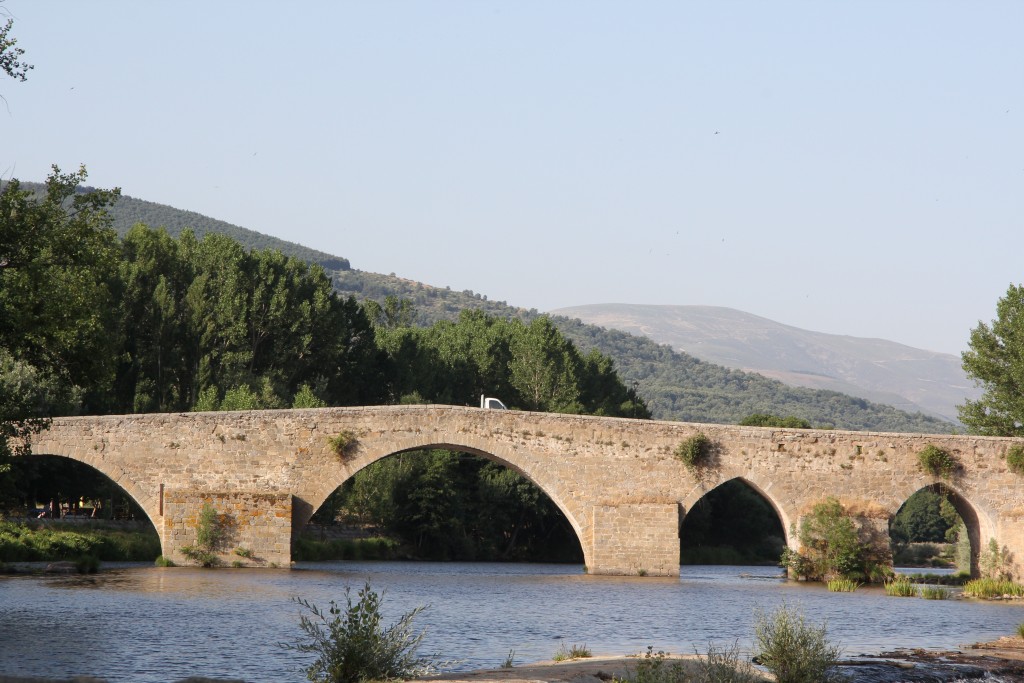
(768, 420)
(545, 368)
(927, 516)
(207, 313)
(11, 55)
(395, 312)
(26, 395)
(156, 370)
(530, 366)
(57, 264)
(995, 360)
(306, 397)
(835, 544)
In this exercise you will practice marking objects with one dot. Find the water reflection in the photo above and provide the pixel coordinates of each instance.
(151, 624)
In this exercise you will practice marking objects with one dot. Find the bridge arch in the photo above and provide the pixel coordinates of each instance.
(763, 489)
(696, 499)
(979, 526)
(118, 476)
(509, 457)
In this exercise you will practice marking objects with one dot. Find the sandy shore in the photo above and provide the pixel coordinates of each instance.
(1003, 657)
(589, 670)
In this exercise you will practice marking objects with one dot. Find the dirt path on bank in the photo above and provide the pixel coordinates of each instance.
(589, 670)
(1003, 657)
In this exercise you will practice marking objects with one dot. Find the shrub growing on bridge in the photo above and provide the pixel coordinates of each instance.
(343, 442)
(1015, 459)
(210, 534)
(938, 461)
(696, 451)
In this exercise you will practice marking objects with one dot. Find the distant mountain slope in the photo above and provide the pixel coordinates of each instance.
(876, 369)
(676, 386)
(129, 211)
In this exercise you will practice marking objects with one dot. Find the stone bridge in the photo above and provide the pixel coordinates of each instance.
(616, 480)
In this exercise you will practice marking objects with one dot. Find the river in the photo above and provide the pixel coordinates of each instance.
(149, 624)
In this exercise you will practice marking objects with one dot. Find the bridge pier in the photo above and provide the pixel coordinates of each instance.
(635, 540)
(249, 528)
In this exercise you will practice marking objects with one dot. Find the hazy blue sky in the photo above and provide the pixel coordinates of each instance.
(846, 167)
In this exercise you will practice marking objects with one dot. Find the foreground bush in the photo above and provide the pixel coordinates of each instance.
(575, 652)
(352, 646)
(718, 666)
(793, 650)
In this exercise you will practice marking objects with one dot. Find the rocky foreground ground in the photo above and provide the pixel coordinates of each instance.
(1000, 660)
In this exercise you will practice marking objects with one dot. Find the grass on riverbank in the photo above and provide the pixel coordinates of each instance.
(308, 549)
(993, 588)
(958, 579)
(21, 542)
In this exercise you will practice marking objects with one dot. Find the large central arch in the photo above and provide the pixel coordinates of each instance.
(503, 456)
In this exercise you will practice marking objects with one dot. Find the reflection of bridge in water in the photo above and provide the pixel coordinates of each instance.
(616, 480)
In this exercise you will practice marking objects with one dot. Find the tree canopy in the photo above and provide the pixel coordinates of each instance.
(995, 360)
(57, 264)
(11, 55)
(675, 385)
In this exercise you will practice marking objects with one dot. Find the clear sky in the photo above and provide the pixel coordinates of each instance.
(846, 167)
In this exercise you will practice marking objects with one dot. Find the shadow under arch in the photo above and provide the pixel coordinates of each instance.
(977, 526)
(50, 476)
(733, 523)
(493, 487)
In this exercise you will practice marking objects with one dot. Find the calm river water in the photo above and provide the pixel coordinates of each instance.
(143, 624)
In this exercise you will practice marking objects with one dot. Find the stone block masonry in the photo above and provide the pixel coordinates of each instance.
(254, 528)
(636, 540)
(617, 480)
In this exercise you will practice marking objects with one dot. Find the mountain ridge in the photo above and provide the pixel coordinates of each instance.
(877, 369)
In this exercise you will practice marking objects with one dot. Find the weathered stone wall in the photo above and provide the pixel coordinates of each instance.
(638, 540)
(588, 466)
(255, 528)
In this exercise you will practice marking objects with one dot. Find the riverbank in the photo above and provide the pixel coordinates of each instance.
(1001, 660)
(54, 541)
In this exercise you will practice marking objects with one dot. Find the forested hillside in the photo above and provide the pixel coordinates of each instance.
(676, 386)
(878, 370)
(681, 387)
(130, 211)
(95, 324)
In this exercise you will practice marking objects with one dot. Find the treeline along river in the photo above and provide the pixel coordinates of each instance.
(148, 624)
